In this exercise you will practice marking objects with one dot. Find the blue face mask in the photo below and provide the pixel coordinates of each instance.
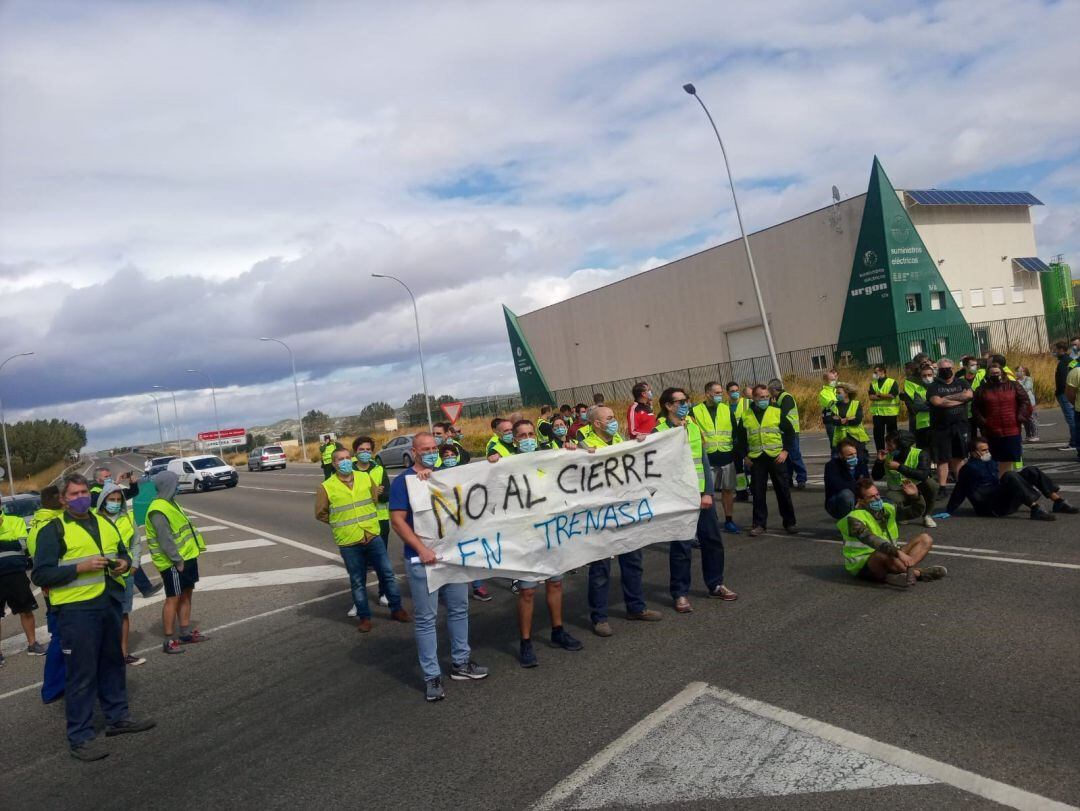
(718, 398)
(450, 461)
(527, 445)
(852, 461)
(683, 410)
(559, 430)
(507, 438)
(430, 459)
(612, 427)
(345, 467)
(113, 507)
(876, 504)
(763, 403)
(734, 396)
(107, 482)
(363, 457)
(439, 440)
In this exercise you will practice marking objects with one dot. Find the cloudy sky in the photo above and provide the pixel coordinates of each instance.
(178, 179)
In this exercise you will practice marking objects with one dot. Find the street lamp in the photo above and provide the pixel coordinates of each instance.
(419, 343)
(296, 391)
(176, 419)
(3, 426)
(160, 430)
(213, 399)
(689, 88)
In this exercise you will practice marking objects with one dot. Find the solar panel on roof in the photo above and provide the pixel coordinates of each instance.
(1031, 263)
(951, 197)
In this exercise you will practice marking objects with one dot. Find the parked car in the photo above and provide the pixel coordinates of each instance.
(157, 464)
(199, 473)
(397, 452)
(266, 458)
(22, 505)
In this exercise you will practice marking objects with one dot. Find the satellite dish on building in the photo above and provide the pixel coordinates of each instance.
(836, 220)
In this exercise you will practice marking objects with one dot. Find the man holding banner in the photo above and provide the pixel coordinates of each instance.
(418, 559)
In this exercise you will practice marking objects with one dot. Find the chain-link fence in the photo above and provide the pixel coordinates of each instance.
(1026, 335)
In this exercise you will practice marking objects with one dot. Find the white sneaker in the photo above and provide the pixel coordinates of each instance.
(928, 522)
(351, 612)
(383, 600)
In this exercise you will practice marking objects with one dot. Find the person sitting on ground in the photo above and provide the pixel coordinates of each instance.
(842, 473)
(994, 495)
(871, 535)
(901, 461)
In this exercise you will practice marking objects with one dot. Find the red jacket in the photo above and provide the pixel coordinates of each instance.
(1000, 410)
(640, 419)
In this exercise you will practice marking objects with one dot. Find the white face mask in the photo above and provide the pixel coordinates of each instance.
(985, 456)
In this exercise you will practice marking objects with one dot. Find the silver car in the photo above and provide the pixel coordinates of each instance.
(266, 458)
(397, 452)
(22, 505)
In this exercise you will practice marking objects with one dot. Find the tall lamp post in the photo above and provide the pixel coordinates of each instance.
(160, 430)
(419, 343)
(176, 419)
(689, 88)
(213, 399)
(296, 391)
(3, 426)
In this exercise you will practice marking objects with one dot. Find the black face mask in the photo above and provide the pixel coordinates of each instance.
(945, 374)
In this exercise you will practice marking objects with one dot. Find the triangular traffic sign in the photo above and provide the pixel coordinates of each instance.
(451, 410)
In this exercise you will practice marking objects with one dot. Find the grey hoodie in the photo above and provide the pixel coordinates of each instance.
(166, 482)
(137, 545)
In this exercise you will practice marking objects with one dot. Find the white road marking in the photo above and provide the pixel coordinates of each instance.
(234, 623)
(232, 546)
(274, 577)
(276, 489)
(334, 556)
(709, 744)
(210, 528)
(262, 473)
(936, 551)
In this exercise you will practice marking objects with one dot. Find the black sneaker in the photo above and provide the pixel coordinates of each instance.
(527, 656)
(468, 671)
(90, 750)
(129, 726)
(561, 639)
(1039, 514)
(433, 690)
(1062, 506)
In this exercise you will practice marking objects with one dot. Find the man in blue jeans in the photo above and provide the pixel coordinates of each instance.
(346, 501)
(426, 605)
(1066, 362)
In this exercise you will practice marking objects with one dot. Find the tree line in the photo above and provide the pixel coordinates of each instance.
(36, 444)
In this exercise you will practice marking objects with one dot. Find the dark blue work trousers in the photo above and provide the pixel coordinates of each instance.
(55, 676)
(680, 556)
(630, 566)
(95, 668)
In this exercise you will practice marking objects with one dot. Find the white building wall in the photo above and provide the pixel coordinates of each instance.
(974, 247)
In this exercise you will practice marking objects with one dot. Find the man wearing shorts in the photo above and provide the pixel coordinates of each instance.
(175, 546)
(14, 585)
(948, 397)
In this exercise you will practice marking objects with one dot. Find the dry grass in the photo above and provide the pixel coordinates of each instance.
(39, 480)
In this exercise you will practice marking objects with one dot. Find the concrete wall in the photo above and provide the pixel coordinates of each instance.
(972, 241)
(678, 315)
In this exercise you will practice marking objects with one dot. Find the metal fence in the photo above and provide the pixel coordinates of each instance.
(1026, 335)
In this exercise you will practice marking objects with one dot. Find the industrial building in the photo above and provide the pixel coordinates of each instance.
(873, 278)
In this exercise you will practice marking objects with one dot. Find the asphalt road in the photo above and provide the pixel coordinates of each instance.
(288, 706)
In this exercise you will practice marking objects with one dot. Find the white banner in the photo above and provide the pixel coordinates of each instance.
(539, 514)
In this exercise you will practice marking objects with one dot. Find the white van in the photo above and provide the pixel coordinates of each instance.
(199, 473)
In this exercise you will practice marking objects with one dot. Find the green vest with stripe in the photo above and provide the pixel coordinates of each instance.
(189, 543)
(793, 414)
(894, 478)
(353, 515)
(377, 474)
(765, 436)
(125, 525)
(79, 545)
(916, 391)
(827, 398)
(13, 546)
(884, 408)
(41, 518)
(694, 434)
(495, 445)
(328, 452)
(856, 553)
(851, 430)
(742, 405)
(594, 440)
(716, 434)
